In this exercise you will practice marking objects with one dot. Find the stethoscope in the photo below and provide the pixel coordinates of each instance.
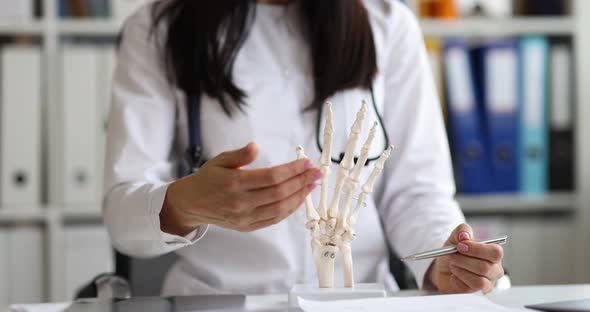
(341, 155)
(193, 156)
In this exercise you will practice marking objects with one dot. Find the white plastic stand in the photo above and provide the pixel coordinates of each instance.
(312, 292)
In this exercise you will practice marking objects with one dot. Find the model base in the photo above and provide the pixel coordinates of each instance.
(312, 292)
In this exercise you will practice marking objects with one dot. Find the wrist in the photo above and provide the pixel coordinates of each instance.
(172, 218)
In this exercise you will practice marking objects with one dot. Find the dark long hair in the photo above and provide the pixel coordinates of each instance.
(204, 36)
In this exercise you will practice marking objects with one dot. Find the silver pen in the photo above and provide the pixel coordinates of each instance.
(450, 250)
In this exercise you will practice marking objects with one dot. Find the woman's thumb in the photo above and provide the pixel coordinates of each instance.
(237, 158)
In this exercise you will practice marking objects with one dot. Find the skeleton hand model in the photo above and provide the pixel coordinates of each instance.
(331, 226)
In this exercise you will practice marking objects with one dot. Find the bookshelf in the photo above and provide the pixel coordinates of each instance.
(477, 27)
(511, 204)
(32, 215)
(92, 27)
(54, 217)
(8, 28)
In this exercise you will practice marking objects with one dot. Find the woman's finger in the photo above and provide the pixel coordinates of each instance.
(490, 252)
(260, 225)
(279, 192)
(252, 179)
(279, 210)
(457, 286)
(492, 271)
(474, 281)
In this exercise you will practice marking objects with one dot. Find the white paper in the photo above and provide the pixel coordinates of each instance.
(441, 303)
(46, 307)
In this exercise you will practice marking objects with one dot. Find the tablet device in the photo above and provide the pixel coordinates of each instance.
(563, 306)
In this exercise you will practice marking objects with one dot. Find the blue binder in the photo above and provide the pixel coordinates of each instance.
(471, 164)
(534, 51)
(496, 68)
(63, 9)
(99, 8)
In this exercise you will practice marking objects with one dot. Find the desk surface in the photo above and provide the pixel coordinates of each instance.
(516, 297)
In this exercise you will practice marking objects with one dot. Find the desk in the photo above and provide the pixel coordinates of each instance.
(516, 297)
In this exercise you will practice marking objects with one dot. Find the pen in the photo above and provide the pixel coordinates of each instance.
(450, 250)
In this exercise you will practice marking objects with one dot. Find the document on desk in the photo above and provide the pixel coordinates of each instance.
(441, 303)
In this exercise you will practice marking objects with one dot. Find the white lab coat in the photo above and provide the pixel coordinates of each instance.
(147, 133)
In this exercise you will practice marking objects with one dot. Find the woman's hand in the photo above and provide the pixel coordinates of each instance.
(475, 267)
(222, 193)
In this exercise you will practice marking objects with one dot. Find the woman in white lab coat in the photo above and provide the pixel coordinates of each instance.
(262, 70)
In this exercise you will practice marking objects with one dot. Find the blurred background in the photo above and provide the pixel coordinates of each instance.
(511, 78)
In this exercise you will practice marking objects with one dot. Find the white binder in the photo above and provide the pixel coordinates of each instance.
(87, 253)
(20, 134)
(86, 92)
(82, 114)
(3, 268)
(20, 10)
(25, 263)
(106, 66)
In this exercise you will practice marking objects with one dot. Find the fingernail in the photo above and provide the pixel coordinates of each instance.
(312, 186)
(464, 236)
(318, 175)
(462, 247)
(308, 164)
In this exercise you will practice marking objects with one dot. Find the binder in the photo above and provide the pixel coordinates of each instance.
(21, 10)
(82, 126)
(78, 8)
(20, 119)
(472, 170)
(561, 139)
(542, 7)
(99, 8)
(63, 9)
(4, 300)
(496, 67)
(25, 260)
(106, 66)
(534, 119)
(88, 253)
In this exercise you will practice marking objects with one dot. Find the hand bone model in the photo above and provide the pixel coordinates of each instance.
(331, 226)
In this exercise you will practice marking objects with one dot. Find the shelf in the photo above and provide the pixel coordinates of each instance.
(89, 27)
(468, 27)
(81, 214)
(517, 203)
(25, 215)
(87, 215)
(17, 27)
